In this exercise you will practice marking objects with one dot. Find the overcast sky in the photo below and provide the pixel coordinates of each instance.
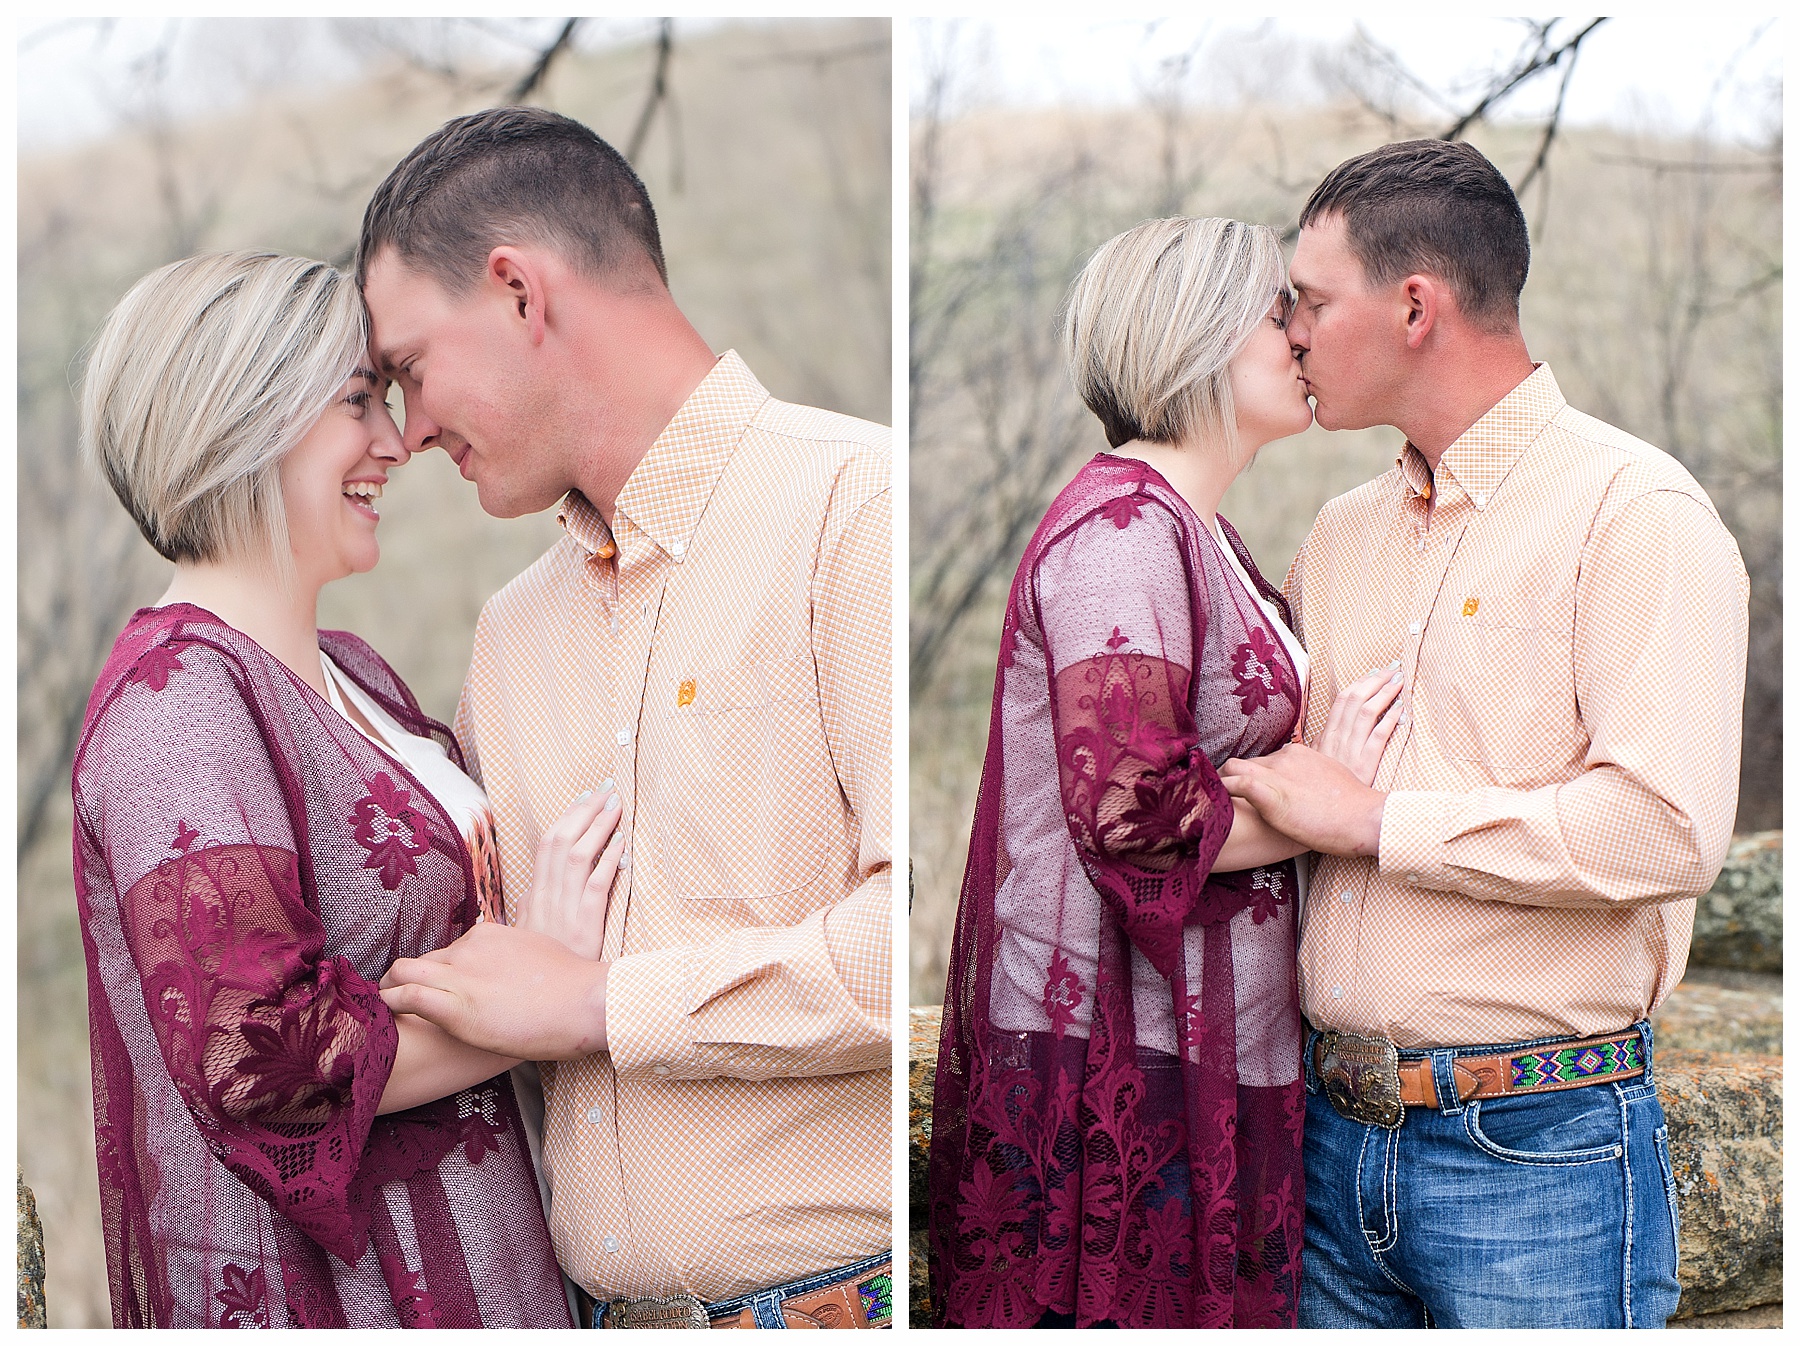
(1671, 73)
(72, 71)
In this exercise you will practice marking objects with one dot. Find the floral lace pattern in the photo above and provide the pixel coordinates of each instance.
(1124, 1149)
(390, 830)
(247, 867)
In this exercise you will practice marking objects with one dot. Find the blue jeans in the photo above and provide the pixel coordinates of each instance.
(1545, 1210)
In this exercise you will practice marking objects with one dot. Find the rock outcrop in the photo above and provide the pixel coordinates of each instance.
(31, 1260)
(1724, 1113)
(1708, 1015)
(1738, 923)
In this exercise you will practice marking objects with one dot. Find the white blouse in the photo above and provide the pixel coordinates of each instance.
(464, 800)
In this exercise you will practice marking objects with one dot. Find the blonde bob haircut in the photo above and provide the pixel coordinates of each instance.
(1157, 315)
(203, 378)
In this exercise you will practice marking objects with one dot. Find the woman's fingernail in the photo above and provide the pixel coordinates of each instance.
(607, 784)
(585, 794)
(612, 801)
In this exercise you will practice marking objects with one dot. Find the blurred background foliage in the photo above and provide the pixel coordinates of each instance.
(766, 147)
(1654, 295)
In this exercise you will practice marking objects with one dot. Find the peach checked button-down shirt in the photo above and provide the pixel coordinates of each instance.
(1571, 620)
(722, 653)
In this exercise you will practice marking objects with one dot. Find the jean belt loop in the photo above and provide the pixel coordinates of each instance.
(1643, 1027)
(765, 1310)
(1308, 1076)
(1443, 1077)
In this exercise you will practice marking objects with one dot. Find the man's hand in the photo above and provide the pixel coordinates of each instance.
(508, 991)
(1311, 797)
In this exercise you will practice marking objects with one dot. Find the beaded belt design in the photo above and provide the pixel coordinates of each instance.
(1577, 1065)
(1367, 1082)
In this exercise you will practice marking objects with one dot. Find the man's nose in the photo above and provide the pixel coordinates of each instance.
(421, 431)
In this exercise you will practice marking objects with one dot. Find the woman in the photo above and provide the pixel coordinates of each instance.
(265, 820)
(1116, 1129)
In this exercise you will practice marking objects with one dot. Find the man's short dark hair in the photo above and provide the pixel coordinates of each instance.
(510, 175)
(1432, 206)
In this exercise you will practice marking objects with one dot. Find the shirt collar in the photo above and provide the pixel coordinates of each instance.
(667, 492)
(1483, 454)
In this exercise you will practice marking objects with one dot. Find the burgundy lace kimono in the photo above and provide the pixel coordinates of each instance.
(247, 866)
(1116, 1130)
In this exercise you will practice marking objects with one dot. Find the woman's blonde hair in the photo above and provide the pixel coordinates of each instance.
(1157, 315)
(203, 378)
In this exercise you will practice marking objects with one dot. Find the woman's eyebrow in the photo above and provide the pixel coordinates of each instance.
(368, 374)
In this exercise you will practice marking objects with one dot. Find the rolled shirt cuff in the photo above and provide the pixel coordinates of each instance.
(649, 1033)
(1414, 847)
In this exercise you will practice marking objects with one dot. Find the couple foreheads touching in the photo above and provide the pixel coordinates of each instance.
(578, 1011)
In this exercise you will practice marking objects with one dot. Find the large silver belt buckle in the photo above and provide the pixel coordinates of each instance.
(1362, 1078)
(676, 1311)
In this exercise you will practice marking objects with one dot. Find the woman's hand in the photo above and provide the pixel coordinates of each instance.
(571, 879)
(1362, 720)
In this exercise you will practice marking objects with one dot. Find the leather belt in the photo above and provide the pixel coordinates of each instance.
(859, 1295)
(1367, 1082)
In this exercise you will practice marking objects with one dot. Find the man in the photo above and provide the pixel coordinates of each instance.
(1489, 927)
(711, 639)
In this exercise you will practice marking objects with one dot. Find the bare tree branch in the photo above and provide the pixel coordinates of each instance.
(1542, 58)
(1550, 128)
(659, 88)
(541, 67)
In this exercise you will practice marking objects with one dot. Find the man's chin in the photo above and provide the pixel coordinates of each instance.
(502, 504)
(1328, 418)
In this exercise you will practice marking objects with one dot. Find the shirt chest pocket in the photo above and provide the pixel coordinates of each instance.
(751, 803)
(1508, 707)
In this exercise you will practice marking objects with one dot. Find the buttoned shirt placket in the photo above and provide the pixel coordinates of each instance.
(1436, 510)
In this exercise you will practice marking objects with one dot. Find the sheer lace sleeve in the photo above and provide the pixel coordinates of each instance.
(1122, 633)
(280, 1052)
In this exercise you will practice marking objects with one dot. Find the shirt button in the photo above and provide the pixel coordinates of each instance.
(1481, 500)
(1337, 993)
(678, 549)
(659, 1070)
(1345, 897)
(623, 737)
(625, 859)
(1412, 878)
(595, 1116)
(610, 1243)
(1415, 627)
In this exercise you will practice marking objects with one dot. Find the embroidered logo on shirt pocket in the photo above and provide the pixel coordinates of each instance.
(755, 804)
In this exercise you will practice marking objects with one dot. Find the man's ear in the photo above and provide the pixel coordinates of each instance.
(1424, 301)
(521, 277)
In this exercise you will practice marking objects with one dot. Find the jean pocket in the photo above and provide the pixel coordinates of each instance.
(1561, 1128)
(1668, 1176)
